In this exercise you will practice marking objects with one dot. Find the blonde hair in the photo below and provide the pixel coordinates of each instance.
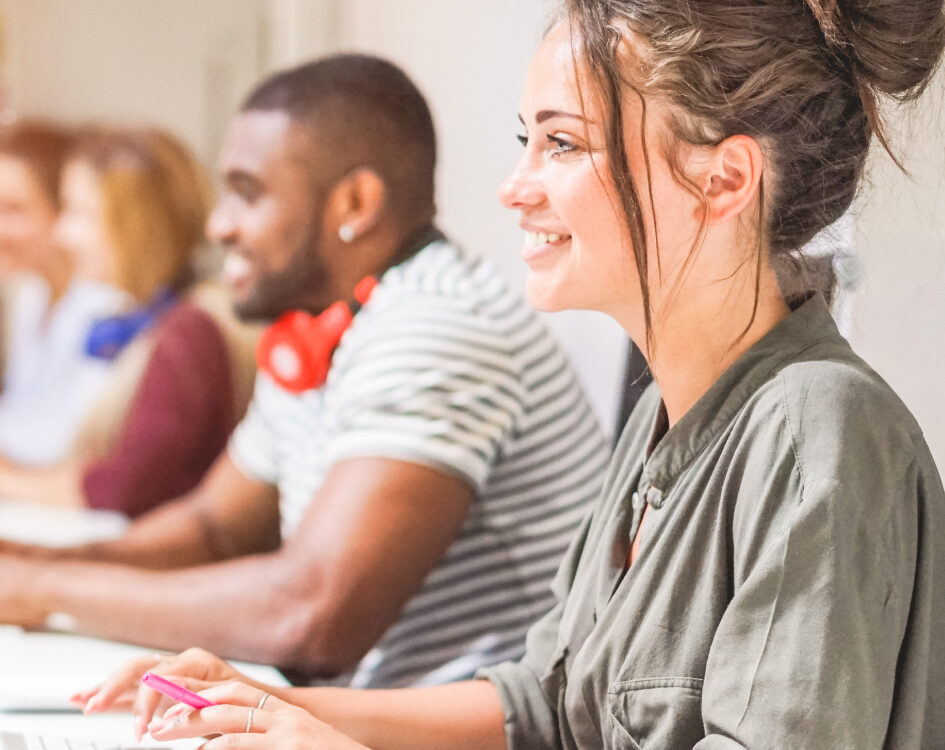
(156, 199)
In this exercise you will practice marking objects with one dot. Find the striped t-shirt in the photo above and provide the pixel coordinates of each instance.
(445, 367)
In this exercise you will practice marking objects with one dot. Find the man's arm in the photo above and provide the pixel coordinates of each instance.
(227, 515)
(372, 533)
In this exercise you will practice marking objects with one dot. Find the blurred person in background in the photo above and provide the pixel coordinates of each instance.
(46, 312)
(134, 203)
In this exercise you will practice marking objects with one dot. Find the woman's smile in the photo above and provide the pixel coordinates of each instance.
(541, 245)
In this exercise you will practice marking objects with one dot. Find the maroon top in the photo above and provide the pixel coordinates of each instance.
(178, 422)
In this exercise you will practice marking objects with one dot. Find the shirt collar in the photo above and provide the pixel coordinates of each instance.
(806, 326)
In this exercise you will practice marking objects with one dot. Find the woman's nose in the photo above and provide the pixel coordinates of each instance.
(521, 189)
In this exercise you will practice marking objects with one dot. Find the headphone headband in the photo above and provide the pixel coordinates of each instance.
(108, 337)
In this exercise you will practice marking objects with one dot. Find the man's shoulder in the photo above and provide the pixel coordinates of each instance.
(444, 275)
(445, 296)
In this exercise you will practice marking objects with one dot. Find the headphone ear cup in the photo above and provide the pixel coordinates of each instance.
(296, 350)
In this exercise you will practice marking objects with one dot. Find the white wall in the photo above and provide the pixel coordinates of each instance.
(900, 312)
(178, 63)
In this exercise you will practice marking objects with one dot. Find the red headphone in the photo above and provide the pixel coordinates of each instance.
(296, 350)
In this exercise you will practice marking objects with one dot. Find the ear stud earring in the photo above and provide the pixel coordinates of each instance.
(346, 233)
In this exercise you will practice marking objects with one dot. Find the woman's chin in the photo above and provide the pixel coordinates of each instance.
(543, 297)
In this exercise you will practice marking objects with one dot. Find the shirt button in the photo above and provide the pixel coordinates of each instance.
(637, 501)
(654, 497)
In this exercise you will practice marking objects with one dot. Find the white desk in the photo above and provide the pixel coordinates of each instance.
(43, 669)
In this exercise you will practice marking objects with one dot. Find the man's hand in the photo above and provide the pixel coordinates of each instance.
(20, 602)
(15, 549)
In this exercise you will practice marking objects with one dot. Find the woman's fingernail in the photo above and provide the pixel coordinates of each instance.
(157, 726)
(91, 706)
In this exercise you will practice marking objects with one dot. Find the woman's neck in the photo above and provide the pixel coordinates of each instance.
(701, 334)
(57, 271)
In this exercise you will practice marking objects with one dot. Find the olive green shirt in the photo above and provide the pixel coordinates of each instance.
(789, 590)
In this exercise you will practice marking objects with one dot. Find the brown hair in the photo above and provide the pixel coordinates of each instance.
(803, 78)
(43, 147)
(156, 199)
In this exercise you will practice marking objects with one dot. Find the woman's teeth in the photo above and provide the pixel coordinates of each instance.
(542, 238)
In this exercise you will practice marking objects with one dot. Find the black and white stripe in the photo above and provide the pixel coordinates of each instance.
(445, 367)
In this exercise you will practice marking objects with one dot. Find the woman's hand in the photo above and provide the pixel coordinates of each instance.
(249, 717)
(194, 668)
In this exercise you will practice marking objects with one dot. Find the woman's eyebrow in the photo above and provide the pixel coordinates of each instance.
(548, 114)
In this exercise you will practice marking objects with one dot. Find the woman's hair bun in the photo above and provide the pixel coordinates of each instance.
(894, 44)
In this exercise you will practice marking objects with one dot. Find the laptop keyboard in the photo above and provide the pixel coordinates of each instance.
(18, 741)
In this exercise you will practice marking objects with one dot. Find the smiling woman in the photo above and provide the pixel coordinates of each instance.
(772, 523)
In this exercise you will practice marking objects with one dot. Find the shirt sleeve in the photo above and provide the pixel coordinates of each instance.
(252, 444)
(177, 423)
(807, 653)
(529, 689)
(431, 383)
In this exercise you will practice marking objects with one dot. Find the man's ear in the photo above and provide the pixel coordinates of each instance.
(731, 178)
(357, 202)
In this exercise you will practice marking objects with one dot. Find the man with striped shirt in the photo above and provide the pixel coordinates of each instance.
(400, 523)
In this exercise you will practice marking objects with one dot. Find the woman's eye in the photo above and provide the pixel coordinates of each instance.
(561, 146)
(523, 139)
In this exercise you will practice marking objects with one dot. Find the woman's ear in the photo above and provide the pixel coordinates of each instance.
(731, 178)
(357, 202)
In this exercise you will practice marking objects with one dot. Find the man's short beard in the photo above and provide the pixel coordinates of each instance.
(292, 288)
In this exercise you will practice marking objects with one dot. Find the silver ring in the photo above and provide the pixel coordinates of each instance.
(262, 700)
(249, 721)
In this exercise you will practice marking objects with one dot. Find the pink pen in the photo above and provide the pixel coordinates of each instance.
(177, 692)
